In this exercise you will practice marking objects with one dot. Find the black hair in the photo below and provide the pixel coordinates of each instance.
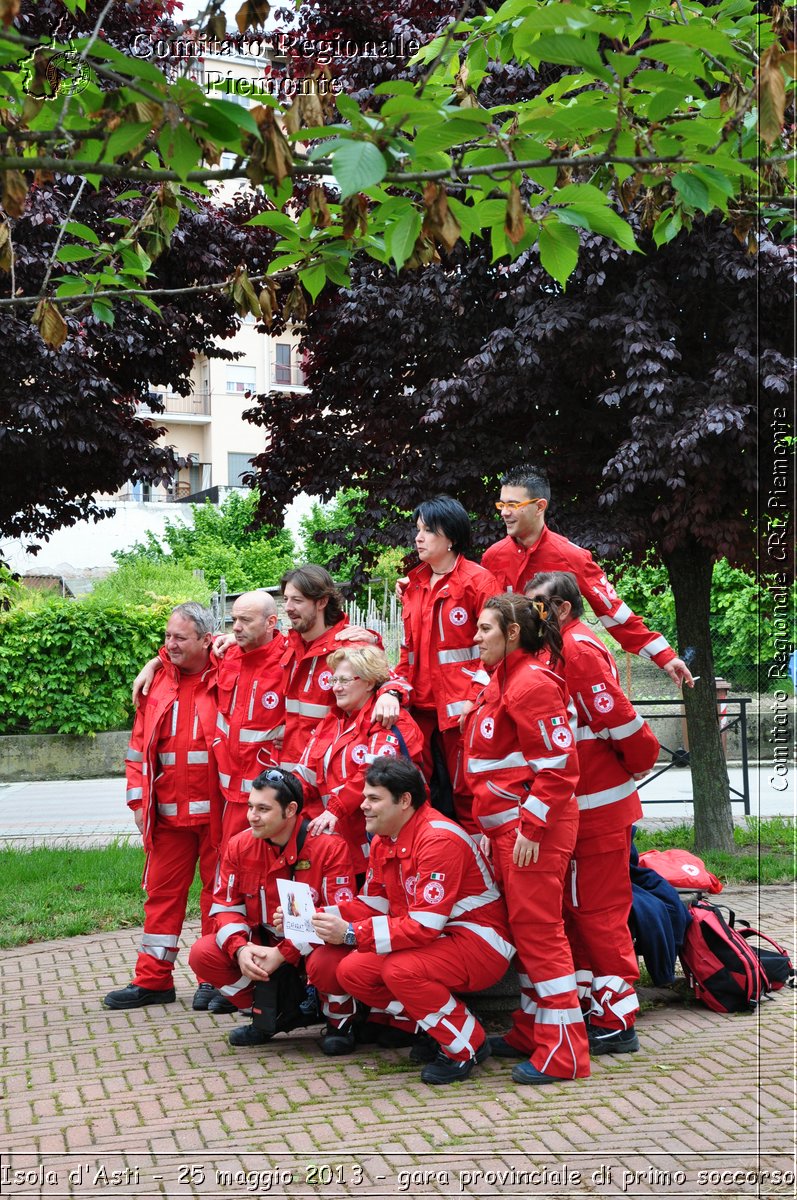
(316, 583)
(286, 786)
(533, 479)
(539, 628)
(398, 775)
(563, 585)
(445, 515)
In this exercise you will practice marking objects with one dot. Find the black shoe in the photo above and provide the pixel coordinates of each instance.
(338, 1041)
(220, 1004)
(390, 1038)
(425, 1049)
(449, 1070)
(202, 997)
(501, 1048)
(309, 1006)
(134, 996)
(248, 1035)
(612, 1041)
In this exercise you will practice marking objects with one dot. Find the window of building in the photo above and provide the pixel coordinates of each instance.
(241, 379)
(238, 465)
(283, 367)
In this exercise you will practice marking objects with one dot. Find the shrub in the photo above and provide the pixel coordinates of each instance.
(66, 666)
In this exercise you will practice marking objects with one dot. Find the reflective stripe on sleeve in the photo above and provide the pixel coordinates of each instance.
(477, 766)
(618, 618)
(134, 755)
(623, 731)
(226, 932)
(305, 709)
(467, 654)
(655, 647)
(428, 919)
(134, 794)
(535, 806)
(381, 928)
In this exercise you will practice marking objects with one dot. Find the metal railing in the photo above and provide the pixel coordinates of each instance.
(197, 405)
(679, 757)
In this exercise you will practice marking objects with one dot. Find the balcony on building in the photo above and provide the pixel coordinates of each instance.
(178, 410)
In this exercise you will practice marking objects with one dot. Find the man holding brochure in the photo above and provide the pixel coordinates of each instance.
(247, 947)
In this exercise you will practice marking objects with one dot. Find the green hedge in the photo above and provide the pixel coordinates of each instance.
(67, 666)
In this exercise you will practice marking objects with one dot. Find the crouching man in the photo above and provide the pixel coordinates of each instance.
(430, 920)
(246, 947)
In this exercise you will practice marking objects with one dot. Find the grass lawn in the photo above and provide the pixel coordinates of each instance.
(53, 893)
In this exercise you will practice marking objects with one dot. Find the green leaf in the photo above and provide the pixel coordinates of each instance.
(179, 150)
(692, 191)
(400, 238)
(71, 287)
(314, 278)
(276, 220)
(125, 138)
(600, 220)
(148, 303)
(82, 231)
(69, 254)
(570, 51)
(357, 165)
(558, 249)
(103, 312)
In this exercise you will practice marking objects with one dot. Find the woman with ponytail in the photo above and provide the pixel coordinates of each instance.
(522, 768)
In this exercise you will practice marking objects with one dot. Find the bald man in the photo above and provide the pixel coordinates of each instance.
(251, 718)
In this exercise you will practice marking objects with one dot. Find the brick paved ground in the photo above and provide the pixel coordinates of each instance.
(156, 1103)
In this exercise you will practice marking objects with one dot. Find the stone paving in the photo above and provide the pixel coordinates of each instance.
(156, 1103)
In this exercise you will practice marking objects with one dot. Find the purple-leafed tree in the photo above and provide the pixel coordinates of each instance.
(640, 389)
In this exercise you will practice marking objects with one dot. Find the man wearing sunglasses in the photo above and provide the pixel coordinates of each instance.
(530, 547)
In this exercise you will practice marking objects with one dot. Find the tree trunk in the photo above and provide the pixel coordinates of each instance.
(690, 569)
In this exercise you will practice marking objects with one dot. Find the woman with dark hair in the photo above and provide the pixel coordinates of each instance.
(442, 598)
(522, 768)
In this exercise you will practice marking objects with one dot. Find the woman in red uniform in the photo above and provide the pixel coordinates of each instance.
(442, 598)
(348, 739)
(522, 768)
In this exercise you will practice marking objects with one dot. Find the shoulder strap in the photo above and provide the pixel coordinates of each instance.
(301, 838)
(399, 736)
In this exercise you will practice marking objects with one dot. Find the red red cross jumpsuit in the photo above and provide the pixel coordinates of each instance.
(334, 763)
(246, 897)
(522, 768)
(439, 660)
(514, 565)
(429, 922)
(250, 726)
(614, 744)
(171, 775)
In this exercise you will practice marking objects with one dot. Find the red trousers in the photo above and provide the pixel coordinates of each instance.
(597, 901)
(216, 966)
(449, 743)
(234, 819)
(168, 875)
(548, 1024)
(417, 985)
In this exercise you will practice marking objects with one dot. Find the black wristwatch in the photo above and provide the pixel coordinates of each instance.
(350, 937)
(396, 695)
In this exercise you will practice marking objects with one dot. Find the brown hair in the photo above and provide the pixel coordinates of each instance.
(539, 628)
(316, 583)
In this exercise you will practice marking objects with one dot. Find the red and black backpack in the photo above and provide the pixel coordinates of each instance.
(721, 967)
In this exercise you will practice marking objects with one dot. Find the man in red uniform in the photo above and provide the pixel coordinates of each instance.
(251, 703)
(430, 920)
(616, 747)
(314, 607)
(172, 784)
(245, 947)
(531, 547)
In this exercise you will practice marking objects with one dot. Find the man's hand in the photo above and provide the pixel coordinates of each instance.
(143, 681)
(467, 707)
(679, 673)
(641, 775)
(357, 633)
(525, 851)
(222, 643)
(330, 927)
(386, 710)
(278, 921)
(485, 847)
(138, 817)
(326, 822)
(400, 586)
(258, 962)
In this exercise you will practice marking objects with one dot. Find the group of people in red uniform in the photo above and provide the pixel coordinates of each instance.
(304, 756)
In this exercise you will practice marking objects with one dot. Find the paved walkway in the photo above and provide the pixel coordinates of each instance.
(156, 1103)
(93, 810)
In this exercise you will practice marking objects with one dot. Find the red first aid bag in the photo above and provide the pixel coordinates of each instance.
(681, 869)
